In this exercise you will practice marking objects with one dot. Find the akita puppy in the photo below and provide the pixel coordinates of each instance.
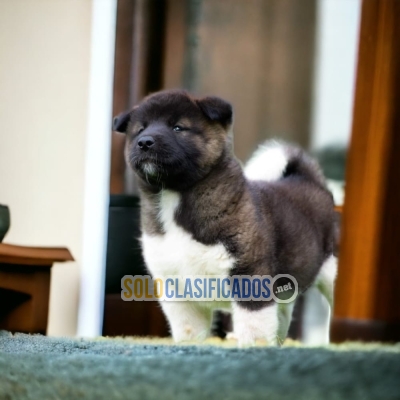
(203, 214)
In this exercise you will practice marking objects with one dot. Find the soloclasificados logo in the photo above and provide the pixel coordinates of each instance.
(282, 288)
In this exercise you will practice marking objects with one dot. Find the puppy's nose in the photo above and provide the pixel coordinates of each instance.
(145, 142)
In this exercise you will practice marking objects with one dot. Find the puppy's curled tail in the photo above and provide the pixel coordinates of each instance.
(275, 160)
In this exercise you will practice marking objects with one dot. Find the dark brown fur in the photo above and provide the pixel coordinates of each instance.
(282, 227)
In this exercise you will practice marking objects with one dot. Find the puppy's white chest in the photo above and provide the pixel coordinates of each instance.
(176, 252)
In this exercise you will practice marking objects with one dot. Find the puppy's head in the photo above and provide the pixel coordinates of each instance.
(173, 139)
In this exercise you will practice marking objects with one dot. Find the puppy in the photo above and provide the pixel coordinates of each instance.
(203, 214)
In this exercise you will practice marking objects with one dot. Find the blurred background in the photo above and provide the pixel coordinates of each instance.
(287, 66)
(66, 67)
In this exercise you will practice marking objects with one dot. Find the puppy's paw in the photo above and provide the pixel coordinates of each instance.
(231, 336)
(187, 333)
(255, 327)
(246, 341)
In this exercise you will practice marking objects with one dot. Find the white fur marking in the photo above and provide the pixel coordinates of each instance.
(328, 272)
(169, 202)
(176, 252)
(252, 325)
(268, 163)
(285, 312)
(149, 168)
(318, 305)
(187, 320)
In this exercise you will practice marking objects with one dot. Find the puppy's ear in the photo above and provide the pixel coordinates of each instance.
(120, 123)
(216, 109)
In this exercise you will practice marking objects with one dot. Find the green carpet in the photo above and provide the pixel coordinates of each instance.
(37, 367)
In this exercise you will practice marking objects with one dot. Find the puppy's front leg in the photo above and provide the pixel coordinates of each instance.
(251, 325)
(187, 320)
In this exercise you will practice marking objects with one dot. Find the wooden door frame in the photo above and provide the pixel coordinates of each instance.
(367, 298)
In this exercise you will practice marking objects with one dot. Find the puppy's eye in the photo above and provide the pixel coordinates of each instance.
(140, 130)
(177, 128)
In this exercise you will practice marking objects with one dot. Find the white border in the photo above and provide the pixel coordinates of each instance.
(97, 168)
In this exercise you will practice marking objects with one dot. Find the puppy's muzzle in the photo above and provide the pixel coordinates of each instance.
(145, 143)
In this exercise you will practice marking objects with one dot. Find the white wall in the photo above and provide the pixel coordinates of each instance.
(44, 88)
(337, 45)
